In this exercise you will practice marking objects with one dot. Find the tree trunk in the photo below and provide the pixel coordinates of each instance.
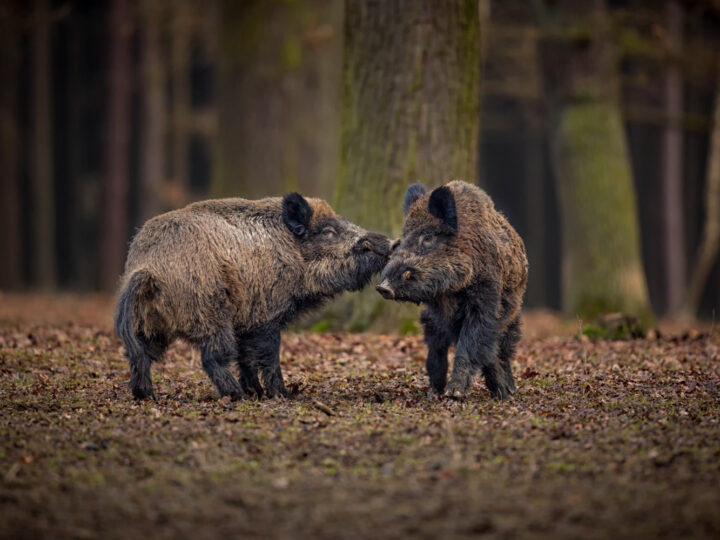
(42, 188)
(279, 98)
(672, 162)
(410, 103)
(152, 147)
(180, 78)
(114, 216)
(411, 93)
(602, 264)
(11, 252)
(710, 243)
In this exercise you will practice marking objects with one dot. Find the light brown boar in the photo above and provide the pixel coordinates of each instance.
(228, 275)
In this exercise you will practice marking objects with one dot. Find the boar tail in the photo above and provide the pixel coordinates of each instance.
(139, 287)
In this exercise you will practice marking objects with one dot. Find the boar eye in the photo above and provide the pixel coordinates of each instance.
(329, 232)
(425, 241)
(406, 275)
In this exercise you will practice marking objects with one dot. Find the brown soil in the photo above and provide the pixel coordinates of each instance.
(603, 439)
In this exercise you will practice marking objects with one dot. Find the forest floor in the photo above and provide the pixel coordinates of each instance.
(603, 439)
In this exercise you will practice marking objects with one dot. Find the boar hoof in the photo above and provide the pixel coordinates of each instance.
(454, 393)
(458, 386)
(501, 393)
(251, 386)
(434, 393)
(141, 392)
(278, 393)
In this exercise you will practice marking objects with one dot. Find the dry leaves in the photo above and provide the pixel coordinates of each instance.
(601, 436)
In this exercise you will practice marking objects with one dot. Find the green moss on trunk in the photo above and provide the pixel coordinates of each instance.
(602, 263)
(410, 113)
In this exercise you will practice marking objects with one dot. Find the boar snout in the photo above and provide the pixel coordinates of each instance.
(385, 290)
(377, 243)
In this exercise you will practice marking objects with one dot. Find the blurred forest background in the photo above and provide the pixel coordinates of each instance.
(594, 125)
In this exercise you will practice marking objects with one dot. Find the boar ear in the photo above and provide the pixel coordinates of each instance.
(442, 206)
(296, 213)
(412, 194)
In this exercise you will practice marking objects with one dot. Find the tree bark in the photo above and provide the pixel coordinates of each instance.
(42, 187)
(410, 103)
(411, 93)
(180, 76)
(672, 162)
(279, 98)
(115, 196)
(710, 243)
(152, 147)
(11, 249)
(602, 264)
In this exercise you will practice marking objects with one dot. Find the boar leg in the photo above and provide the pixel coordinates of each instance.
(476, 344)
(437, 338)
(216, 354)
(248, 367)
(267, 349)
(140, 361)
(508, 344)
(477, 347)
(249, 380)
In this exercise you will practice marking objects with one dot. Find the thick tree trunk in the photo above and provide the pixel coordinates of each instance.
(710, 243)
(11, 249)
(411, 93)
(152, 147)
(602, 264)
(410, 103)
(180, 78)
(672, 162)
(115, 196)
(42, 187)
(279, 98)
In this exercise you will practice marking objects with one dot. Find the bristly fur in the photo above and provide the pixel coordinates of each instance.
(442, 206)
(228, 275)
(412, 194)
(467, 265)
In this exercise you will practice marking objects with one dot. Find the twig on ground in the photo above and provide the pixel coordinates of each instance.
(324, 408)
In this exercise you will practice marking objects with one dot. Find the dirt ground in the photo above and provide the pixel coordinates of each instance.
(603, 439)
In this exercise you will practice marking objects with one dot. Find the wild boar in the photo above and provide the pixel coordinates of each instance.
(228, 275)
(467, 265)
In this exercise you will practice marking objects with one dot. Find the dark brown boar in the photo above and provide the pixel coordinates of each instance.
(462, 259)
(227, 275)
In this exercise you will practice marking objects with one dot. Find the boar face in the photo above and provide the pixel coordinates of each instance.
(428, 260)
(339, 255)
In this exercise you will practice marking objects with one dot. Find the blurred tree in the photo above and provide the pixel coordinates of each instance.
(11, 249)
(672, 158)
(710, 243)
(115, 194)
(411, 93)
(181, 23)
(279, 97)
(513, 162)
(602, 265)
(152, 147)
(42, 186)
